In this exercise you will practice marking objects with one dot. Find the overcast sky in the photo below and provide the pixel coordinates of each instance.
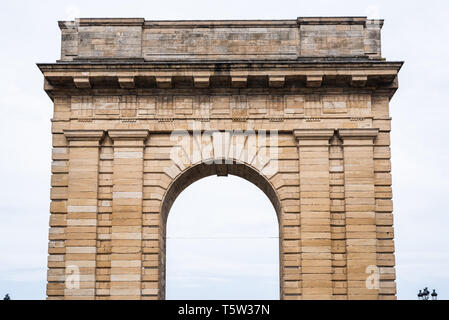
(414, 31)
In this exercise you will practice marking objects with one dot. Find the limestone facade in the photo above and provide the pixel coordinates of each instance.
(142, 109)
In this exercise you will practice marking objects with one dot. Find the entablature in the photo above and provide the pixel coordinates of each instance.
(275, 75)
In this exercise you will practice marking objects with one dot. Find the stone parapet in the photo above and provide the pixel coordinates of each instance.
(139, 39)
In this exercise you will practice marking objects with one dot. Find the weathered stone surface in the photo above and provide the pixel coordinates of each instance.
(219, 40)
(144, 108)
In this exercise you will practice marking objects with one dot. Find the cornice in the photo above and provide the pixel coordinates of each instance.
(219, 23)
(361, 20)
(111, 22)
(218, 65)
(83, 135)
(313, 134)
(83, 76)
(128, 134)
(84, 138)
(368, 133)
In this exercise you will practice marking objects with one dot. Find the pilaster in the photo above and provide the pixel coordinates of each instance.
(338, 220)
(126, 233)
(362, 270)
(315, 218)
(384, 202)
(81, 230)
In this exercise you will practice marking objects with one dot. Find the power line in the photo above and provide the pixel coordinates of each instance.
(222, 238)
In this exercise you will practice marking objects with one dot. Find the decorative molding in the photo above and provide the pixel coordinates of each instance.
(83, 135)
(128, 134)
(314, 81)
(363, 133)
(358, 137)
(201, 82)
(239, 119)
(84, 138)
(126, 82)
(356, 119)
(128, 120)
(276, 81)
(128, 22)
(164, 82)
(359, 81)
(165, 119)
(313, 137)
(82, 82)
(332, 20)
(383, 75)
(316, 119)
(313, 134)
(239, 81)
(85, 119)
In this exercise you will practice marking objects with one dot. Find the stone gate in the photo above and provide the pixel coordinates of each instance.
(142, 109)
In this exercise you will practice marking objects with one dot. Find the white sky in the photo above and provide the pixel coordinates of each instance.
(414, 31)
(226, 247)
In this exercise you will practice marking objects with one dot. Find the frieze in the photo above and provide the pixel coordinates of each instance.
(244, 106)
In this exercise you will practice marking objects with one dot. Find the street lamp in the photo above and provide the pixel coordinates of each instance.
(425, 293)
(434, 295)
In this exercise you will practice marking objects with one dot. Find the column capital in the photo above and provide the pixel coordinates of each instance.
(83, 138)
(128, 137)
(363, 136)
(313, 137)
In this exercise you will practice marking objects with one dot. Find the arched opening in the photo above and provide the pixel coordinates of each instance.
(222, 235)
